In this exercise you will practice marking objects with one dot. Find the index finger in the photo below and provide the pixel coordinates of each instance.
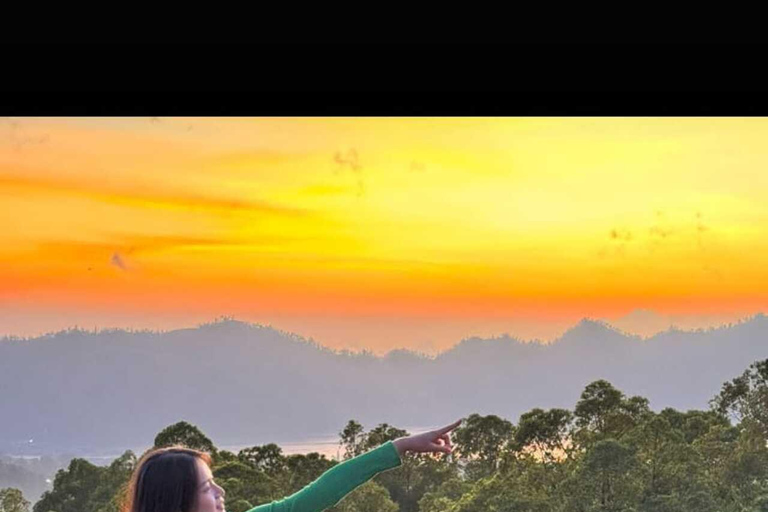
(449, 427)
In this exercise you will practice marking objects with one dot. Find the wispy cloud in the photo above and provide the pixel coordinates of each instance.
(351, 160)
(618, 239)
(620, 235)
(19, 137)
(117, 261)
(659, 234)
(187, 127)
(348, 159)
(118, 247)
(132, 195)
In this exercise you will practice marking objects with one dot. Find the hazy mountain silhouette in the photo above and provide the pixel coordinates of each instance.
(644, 322)
(243, 384)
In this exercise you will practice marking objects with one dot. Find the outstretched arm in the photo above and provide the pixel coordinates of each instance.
(343, 478)
(434, 441)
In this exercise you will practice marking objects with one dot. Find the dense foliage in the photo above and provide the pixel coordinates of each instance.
(611, 453)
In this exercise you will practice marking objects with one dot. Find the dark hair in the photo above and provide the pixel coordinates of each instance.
(165, 480)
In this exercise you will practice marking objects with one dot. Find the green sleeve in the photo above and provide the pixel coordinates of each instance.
(337, 482)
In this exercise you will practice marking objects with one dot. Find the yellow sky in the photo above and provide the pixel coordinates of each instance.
(381, 232)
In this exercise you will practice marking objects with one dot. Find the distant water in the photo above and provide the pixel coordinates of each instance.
(328, 447)
(324, 445)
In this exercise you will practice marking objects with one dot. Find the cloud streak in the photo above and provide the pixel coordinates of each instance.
(119, 245)
(159, 198)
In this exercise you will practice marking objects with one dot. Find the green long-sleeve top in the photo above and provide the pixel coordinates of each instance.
(337, 482)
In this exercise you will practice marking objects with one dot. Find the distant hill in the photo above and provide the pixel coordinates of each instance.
(243, 384)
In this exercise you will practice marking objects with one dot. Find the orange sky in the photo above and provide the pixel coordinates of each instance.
(382, 232)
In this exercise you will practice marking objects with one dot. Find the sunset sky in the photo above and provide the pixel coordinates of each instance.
(381, 233)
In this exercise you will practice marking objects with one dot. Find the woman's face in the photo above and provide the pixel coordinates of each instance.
(210, 497)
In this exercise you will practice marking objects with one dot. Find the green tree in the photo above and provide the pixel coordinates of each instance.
(352, 438)
(185, 434)
(239, 505)
(658, 448)
(303, 469)
(746, 468)
(380, 435)
(418, 475)
(261, 474)
(113, 483)
(445, 496)
(606, 480)
(693, 424)
(598, 401)
(480, 442)
(268, 458)
(716, 449)
(545, 433)
(223, 456)
(407, 484)
(244, 482)
(483, 490)
(84, 487)
(746, 397)
(670, 469)
(12, 500)
(73, 489)
(604, 412)
(399, 482)
(530, 484)
(369, 497)
(503, 493)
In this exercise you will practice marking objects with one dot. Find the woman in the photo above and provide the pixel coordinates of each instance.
(178, 479)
